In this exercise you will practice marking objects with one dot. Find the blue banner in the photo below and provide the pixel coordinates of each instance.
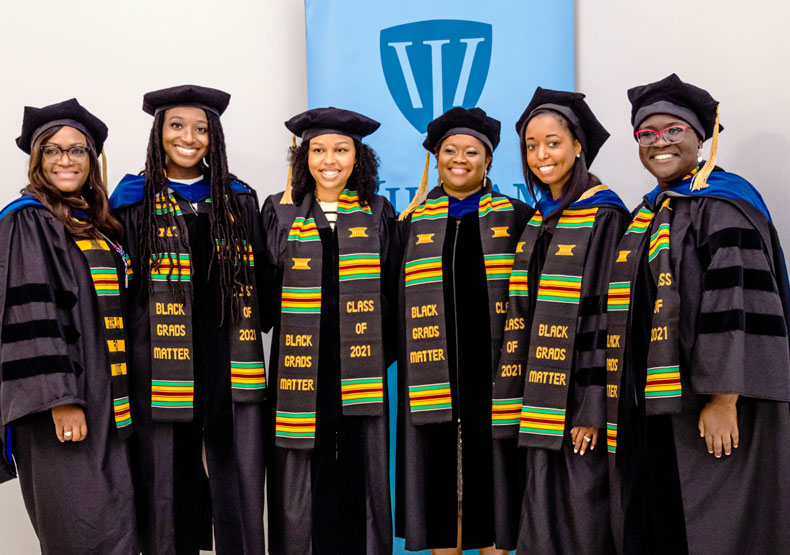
(404, 63)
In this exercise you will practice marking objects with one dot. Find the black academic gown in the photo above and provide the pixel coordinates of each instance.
(426, 485)
(176, 502)
(676, 497)
(78, 494)
(335, 498)
(566, 496)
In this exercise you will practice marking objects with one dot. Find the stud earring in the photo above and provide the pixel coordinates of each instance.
(579, 155)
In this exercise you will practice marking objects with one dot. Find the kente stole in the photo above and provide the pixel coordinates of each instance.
(361, 346)
(430, 398)
(104, 273)
(530, 400)
(170, 314)
(662, 385)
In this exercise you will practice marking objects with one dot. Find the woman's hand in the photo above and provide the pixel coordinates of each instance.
(718, 424)
(69, 422)
(582, 438)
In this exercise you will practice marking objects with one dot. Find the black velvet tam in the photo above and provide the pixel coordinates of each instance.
(70, 113)
(674, 97)
(331, 121)
(571, 105)
(460, 121)
(213, 100)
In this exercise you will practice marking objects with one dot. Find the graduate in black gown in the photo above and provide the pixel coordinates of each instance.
(191, 229)
(331, 239)
(64, 397)
(698, 315)
(459, 245)
(549, 392)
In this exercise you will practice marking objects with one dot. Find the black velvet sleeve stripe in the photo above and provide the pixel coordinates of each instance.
(36, 366)
(39, 293)
(29, 293)
(590, 341)
(590, 376)
(71, 334)
(589, 306)
(734, 237)
(737, 276)
(65, 299)
(32, 329)
(735, 320)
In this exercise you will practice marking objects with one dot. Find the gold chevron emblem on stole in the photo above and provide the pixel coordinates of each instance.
(301, 263)
(500, 232)
(565, 250)
(520, 246)
(423, 238)
(665, 204)
(623, 256)
(358, 232)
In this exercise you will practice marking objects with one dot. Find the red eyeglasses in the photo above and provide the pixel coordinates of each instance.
(673, 134)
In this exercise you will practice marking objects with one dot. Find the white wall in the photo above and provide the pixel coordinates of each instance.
(255, 50)
(107, 54)
(737, 51)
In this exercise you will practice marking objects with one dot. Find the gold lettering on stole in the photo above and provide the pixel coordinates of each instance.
(500, 232)
(358, 231)
(423, 238)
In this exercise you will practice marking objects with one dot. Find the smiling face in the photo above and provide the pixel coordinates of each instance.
(666, 161)
(462, 163)
(551, 151)
(185, 140)
(331, 160)
(67, 175)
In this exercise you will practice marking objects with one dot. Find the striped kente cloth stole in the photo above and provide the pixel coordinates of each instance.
(170, 314)
(648, 230)
(508, 389)
(430, 397)
(662, 386)
(361, 346)
(104, 270)
(541, 385)
(618, 306)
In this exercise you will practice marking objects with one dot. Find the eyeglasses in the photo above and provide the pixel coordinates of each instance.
(53, 153)
(672, 135)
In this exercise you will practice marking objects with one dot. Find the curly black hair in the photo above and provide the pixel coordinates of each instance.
(579, 181)
(227, 225)
(363, 179)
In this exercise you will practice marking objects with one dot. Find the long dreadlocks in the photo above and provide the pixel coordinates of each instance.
(228, 230)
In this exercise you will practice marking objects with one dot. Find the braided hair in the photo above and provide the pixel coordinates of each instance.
(228, 230)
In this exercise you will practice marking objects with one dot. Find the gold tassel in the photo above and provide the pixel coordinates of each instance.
(701, 179)
(287, 198)
(417, 200)
(104, 168)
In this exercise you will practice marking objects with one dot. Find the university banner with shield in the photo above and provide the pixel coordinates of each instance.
(406, 62)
